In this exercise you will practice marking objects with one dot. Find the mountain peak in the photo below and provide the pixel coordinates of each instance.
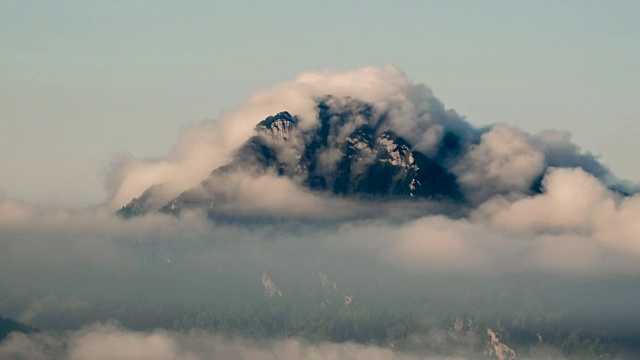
(278, 125)
(350, 153)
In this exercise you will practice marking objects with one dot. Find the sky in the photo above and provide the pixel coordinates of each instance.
(84, 81)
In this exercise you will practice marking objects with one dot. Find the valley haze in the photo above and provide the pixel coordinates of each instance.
(340, 214)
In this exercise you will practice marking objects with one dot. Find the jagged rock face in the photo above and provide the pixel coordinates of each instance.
(350, 153)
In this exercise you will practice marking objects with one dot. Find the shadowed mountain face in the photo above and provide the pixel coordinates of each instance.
(349, 154)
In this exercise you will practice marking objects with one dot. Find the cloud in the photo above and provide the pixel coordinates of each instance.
(110, 341)
(437, 244)
(576, 225)
(576, 203)
(561, 152)
(505, 160)
(97, 264)
(271, 195)
(197, 152)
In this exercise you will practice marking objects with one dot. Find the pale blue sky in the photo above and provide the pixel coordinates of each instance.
(83, 80)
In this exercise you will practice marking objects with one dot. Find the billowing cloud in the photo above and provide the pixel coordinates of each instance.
(504, 161)
(573, 202)
(198, 150)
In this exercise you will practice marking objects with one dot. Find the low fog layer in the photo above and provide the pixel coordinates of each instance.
(562, 257)
(110, 341)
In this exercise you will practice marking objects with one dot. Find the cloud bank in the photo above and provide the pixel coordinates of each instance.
(109, 341)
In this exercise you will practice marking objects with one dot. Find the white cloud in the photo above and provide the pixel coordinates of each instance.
(108, 341)
(504, 161)
(197, 152)
(573, 202)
